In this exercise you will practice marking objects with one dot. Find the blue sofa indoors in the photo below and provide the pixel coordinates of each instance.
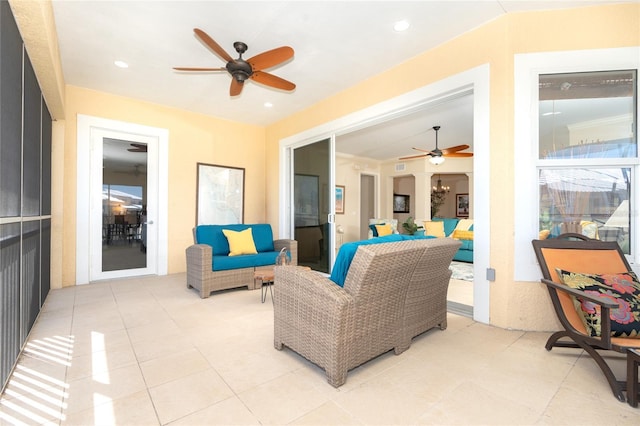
(453, 229)
(211, 268)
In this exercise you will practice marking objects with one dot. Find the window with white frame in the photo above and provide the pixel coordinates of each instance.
(587, 154)
(575, 146)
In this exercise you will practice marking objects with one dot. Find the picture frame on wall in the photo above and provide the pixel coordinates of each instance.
(220, 196)
(339, 199)
(401, 203)
(462, 205)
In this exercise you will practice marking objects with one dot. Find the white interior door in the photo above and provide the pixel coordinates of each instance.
(92, 132)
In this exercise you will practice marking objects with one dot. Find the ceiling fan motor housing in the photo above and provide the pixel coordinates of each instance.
(240, 69)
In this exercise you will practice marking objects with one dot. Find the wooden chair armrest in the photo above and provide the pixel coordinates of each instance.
(604, 340)
(605, 303)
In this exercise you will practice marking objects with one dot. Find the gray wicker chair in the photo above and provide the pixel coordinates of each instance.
(338, 328)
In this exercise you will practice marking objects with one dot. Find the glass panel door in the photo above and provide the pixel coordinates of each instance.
(124, 186)
(121, 240)
(312, 198)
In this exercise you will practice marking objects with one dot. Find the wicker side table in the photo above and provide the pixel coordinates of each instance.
(266, 277)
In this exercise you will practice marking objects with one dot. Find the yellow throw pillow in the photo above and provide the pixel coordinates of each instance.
(434, 228)
(462, 235)
(240, 242)
(543, 234)
(384, 230)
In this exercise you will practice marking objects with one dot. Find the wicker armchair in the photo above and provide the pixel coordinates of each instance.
(340, 328)
(426, 303)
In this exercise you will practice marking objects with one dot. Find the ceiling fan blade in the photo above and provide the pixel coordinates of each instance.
(272, 80)
(459, 154)
(212, 44)
(420, 149)
(138, 147)
(414, 156)
(455, 149)
(236, 87)
(270, 58)
(198, 69)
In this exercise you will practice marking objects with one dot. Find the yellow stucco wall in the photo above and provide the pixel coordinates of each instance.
(193, 138)
(513, 305)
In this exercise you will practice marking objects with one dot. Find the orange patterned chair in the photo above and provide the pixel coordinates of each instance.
(575, 260)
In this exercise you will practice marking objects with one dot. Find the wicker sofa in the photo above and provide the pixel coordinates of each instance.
(210, 268)
(393, 292)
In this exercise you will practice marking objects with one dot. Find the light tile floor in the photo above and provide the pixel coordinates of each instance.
(148, 351)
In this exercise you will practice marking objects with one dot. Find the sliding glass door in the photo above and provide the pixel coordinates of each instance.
(313, 204)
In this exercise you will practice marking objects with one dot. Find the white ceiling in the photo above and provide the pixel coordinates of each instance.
(337, 45)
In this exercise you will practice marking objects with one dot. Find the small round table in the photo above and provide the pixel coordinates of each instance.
(266, 277)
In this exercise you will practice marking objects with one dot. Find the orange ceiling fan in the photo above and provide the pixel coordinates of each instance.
(437, 155)
(252, 68)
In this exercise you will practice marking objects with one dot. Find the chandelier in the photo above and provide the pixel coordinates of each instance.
(439, 188)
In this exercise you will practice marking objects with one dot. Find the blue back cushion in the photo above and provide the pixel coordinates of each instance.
(213, 236)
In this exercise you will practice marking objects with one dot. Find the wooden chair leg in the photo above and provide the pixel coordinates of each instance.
(616, 386)
(633, 359)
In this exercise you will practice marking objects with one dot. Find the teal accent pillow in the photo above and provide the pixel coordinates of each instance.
(374, 229)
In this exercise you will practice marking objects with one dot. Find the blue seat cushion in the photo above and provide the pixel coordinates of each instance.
(466, 245)
(223, 262)
(213, 236)
(348, 251)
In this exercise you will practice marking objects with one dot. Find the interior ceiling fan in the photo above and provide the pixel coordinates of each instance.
(138, 147)
(437, 155)
(252, 68)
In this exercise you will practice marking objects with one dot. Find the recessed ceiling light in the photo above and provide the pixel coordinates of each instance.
(546, 114)
(268, 105)
(121, 64)
(401, 26)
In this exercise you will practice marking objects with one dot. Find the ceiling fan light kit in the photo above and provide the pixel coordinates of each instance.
(242, 70)
(437, 155)
(436, 160)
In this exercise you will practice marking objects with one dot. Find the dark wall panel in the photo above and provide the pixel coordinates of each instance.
(45, 256)
(45, 205)
(9, 295)
(10, 112)
(31, 142)
(25, 195)
(30, 289)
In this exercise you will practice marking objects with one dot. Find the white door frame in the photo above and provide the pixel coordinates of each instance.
(476, 79)
(88, 216)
